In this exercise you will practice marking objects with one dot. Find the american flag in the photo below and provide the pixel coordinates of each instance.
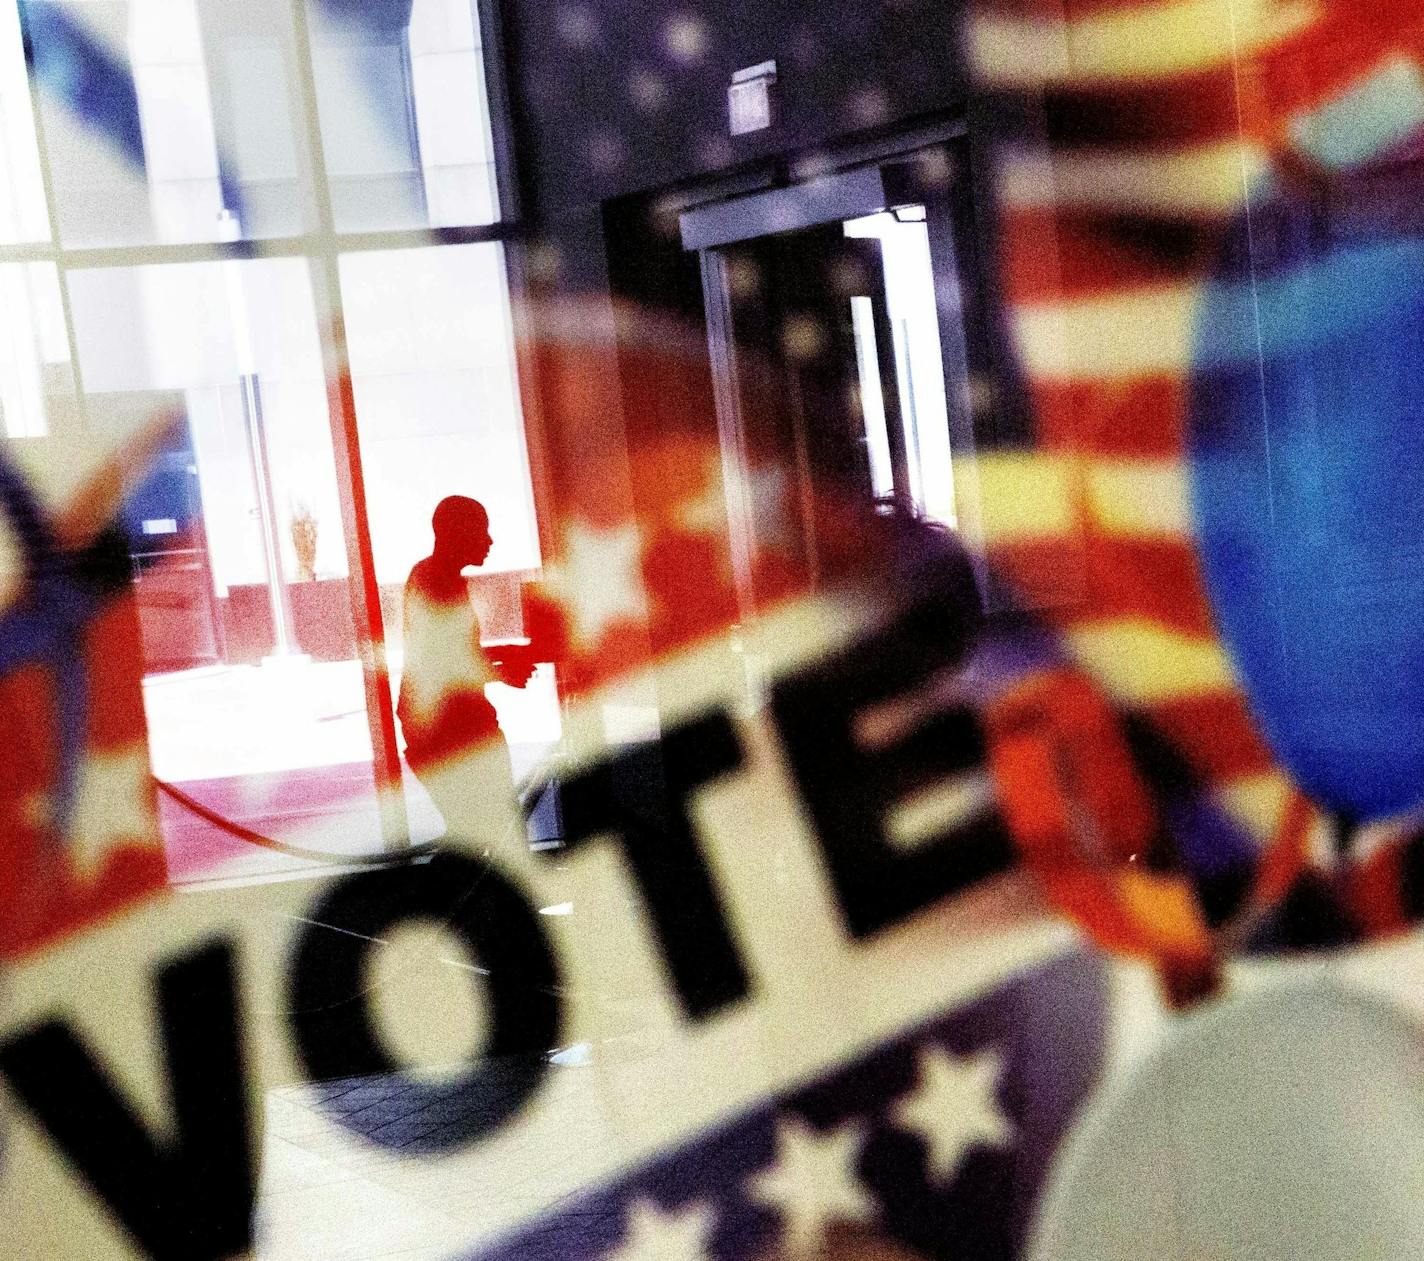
(80, 829)
(1131, 141)
(1135, 124)
(931, 1144)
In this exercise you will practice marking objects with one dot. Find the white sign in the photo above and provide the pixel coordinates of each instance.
(749, 98)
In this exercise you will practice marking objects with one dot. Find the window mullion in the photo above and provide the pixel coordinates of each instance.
(55, 251)
(371, 643)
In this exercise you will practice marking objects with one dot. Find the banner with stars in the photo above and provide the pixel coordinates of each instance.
(810, 1003)
(931, 1144)
(1201, 246)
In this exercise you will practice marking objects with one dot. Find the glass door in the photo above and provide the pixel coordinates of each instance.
(837, 336)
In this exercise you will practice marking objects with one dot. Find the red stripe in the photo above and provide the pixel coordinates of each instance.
(1158, 580)
(1190, 109)
(1295, 74)
(1216, 734)
(1060, 255)
(111, 642)
(1083, 579)
(1332, 55)
(1133, 419)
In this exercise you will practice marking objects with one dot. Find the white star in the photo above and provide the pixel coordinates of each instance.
(813, 1181)
(759, 494)
(113, 808)
(653, 1235)
(441, 657)
(706, 512)
(956, 1107)
(604, 578)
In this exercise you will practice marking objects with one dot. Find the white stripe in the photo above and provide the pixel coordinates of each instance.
(1205, 179)
(1122, 337)
(1140, 498)
(1135, 44)
(1036, 495)
(1142, 663)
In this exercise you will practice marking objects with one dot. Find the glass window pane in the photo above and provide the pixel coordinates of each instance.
(437, 407)
(182, 120)
(23, 217)
(258, 116)
(404, 121)
(35, 369)
(169, 120)
(431, 350)
(253, 688)
(90, 116)
(40, 419)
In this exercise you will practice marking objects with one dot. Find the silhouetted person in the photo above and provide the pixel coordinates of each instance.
(452, 736)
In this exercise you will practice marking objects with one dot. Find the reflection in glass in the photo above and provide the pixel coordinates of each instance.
(253, 687)
(23, 217)
(126, 118)
(251, 54)
(182, 120)
(404, 123)
(437, 408)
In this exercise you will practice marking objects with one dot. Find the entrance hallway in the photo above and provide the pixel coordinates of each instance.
(285, 750)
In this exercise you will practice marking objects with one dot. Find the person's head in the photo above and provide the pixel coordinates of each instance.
(462, 531)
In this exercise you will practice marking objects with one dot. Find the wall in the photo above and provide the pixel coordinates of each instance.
(618, 96)
(615, 100)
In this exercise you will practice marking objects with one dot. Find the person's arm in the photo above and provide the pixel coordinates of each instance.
(513, 664)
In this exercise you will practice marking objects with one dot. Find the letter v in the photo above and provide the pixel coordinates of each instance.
(186, 1197)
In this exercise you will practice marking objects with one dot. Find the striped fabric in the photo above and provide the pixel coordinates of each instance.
(1133, 137)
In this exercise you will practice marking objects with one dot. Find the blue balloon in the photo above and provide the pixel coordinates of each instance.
(1306, 440)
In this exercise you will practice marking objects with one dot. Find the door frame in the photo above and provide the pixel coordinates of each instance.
(931, 167)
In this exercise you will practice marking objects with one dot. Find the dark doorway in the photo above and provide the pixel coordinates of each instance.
(792, 302)
(837, 335)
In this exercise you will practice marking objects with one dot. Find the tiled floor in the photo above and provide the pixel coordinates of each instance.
(328, 1193)
(285, 750)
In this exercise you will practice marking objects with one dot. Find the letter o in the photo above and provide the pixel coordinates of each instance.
(331, 1019)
